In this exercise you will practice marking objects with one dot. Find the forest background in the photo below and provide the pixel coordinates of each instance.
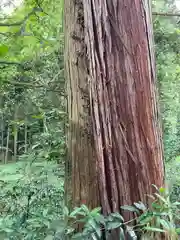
(33, 117)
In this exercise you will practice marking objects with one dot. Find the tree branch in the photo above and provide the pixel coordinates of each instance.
(15, 24)
(166, 14)
(10, 63)
(31, 85)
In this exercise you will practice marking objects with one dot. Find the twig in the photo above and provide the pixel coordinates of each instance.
(166, 14)
(10, 63)
(31, 85)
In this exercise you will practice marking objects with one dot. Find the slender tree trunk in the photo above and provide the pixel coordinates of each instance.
(15, 133)
(45, 129)
(15, 141)
(2, 137)
(25, 136)
(116, 37)
(7, 145)
(2, 125)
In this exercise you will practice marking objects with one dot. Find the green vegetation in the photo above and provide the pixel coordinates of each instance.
(31, 199)
(32, 131)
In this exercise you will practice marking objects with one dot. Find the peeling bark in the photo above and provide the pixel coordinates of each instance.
(81, 181)
(121, 88)
(123, 101)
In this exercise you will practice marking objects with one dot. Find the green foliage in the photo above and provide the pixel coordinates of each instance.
(35, 84)
(3, 50)
(31, 199)
(95, 224)
(167, 43)
(159, 218)
(173, 177)
(151, 222)
(33, 101)
(32, 107)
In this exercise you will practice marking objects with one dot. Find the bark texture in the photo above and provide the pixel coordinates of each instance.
(81, 181)
(118, 36)
(111, 88)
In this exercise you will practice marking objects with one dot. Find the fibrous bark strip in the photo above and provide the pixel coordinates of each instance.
(81, 181)
(111, 103)
(118, 36)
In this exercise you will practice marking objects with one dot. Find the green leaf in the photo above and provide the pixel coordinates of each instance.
(100, 218)
(49, 237)
(85, 209)
(95, 211)
(164, 224)
(178, 230)
(78, 236)
(8, 230)
(58, 225)
(121, 236)
(75, 212)
(161, 198)
(176, 204)
(38, 116)
(162, 190)
(95, 226)
(130, 208)
(156, 206)
(70, 230)
(113, 225)
(117, 216)
(146, 220)
(3, 50)
(140, 206)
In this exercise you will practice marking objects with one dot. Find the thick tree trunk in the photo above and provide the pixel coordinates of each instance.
(123, 103)
(117, 37)
(81, 181)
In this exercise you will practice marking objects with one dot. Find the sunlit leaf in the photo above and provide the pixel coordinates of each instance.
(3, 50)
(164, 224)
(140, 206)
(130, 208)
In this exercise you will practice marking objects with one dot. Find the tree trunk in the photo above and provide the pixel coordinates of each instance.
(2, 132)
(81, 181)
(117, 39)
(15, 133)
(25, 135)
(7, 145)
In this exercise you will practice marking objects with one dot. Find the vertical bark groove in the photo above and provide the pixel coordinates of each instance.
(118, 37)
(81, 181)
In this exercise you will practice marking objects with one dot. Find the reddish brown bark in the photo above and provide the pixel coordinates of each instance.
(117, 37)
(122, 87)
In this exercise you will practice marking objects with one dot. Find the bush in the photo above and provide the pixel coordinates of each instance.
(31, 199)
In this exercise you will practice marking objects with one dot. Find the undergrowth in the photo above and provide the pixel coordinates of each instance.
(32, 208)
(31, 199)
